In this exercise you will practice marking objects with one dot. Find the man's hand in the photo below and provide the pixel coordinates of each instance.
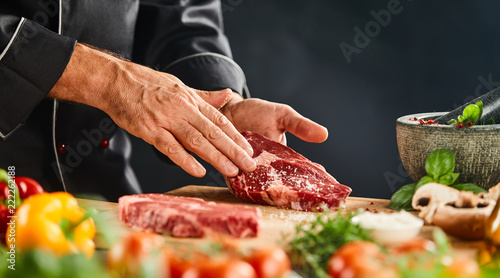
(158, 108)
(272, 120)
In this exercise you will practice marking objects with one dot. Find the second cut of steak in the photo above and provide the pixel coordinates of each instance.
(188, 217)
(286, 179)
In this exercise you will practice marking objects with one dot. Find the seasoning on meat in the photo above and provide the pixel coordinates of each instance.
(286, 179)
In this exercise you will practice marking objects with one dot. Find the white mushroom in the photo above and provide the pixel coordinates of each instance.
(459, 213)
(493, 193)
(430, 196)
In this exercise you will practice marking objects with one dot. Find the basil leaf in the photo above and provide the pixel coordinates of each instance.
(424, 180)
(490, 121)
(479, 104)
(469, 187)
(401, 199)
(468, 111)
(471, 113)
(448, 179)
(439, 163)
(476, 115)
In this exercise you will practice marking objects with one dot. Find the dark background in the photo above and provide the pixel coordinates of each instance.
(430, 56)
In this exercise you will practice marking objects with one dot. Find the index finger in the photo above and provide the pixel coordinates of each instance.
(224, 136)
(217, 118)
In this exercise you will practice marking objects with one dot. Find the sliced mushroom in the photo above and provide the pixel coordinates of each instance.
(493, 193)
(465, 223)
(430, 196)
(459, 213)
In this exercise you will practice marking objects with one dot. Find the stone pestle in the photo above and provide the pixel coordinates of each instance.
(491, 108)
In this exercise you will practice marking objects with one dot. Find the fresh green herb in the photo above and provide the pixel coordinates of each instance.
(149, 268)
(430, 264)
(468, 187)
(108, 229)
(439, 166)
(424, 180)
(442, 242)
(401, 199)
(35, 263)
(471, 115)
(491, 268)
(439, 163)
(314, 243)
(212, 249)
(489, 121)
(448, 179)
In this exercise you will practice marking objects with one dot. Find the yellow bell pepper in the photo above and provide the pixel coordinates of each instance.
(54, 222)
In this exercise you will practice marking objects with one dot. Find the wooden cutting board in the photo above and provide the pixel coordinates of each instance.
(279, 224)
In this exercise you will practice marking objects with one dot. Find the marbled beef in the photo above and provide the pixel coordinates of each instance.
(286, 179)
(188, 217)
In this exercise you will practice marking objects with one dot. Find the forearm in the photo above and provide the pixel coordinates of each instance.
(89, 77)
(158, 108)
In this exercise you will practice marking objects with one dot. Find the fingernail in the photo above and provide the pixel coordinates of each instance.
(200, 171)
(249, 163)
(231, 168)
(249, 149)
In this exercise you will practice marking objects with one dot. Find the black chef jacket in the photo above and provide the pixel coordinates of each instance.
(64, 145)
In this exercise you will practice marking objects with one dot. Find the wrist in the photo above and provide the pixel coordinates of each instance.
(87, 76)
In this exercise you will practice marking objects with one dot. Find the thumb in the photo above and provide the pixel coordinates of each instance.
(216, 98)
(303, 128)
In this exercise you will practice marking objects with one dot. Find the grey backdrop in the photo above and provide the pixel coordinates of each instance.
(427, 56)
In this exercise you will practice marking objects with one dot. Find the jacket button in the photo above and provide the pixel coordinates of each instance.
(61, 148)
(104, 143)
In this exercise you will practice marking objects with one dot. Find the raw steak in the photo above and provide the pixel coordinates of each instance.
(286, 179)
(188, 217)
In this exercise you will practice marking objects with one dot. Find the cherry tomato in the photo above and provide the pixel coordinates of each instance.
(225, 268)
(271, 262)
(416, 245)
(359, 259)
(27, 187)
(181, 268)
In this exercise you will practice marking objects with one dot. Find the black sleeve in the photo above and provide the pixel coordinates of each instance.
(186, 39)
(32, 59)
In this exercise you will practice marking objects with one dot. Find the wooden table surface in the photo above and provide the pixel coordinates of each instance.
(279, 224)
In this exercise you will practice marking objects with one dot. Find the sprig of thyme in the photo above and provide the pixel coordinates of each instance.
(315, 242)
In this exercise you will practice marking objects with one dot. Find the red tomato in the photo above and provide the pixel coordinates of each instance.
(413, 250)
(225, 268)
(4, 192)
(4, 213)
(416, 245)
(181, 268)
(359, 259)
(271, 262)
(27, 187)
